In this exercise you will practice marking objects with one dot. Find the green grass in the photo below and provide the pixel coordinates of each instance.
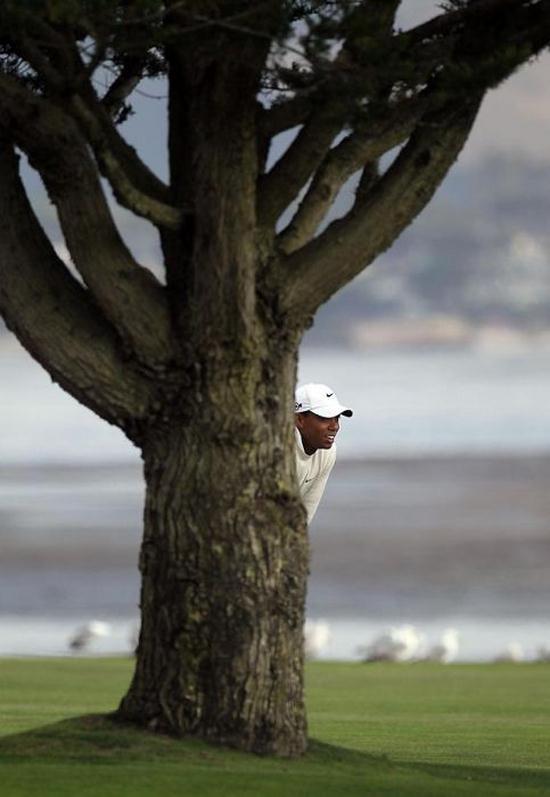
(380, 730)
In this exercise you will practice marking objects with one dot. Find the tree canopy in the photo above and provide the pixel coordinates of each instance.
(355, 86)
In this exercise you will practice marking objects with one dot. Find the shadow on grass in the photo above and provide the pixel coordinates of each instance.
(101, 739)
(94, 737)
(508, 776)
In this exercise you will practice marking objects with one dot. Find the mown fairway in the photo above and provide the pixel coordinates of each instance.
(379, 729)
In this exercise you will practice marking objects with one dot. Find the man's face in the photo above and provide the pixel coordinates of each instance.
(316, 432)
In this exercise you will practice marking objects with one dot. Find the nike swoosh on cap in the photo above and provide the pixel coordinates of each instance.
(329, 395)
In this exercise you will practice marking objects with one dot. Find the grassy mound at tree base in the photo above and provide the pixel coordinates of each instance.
(378, 730)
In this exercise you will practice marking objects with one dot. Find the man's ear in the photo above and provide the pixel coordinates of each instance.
(298, 419)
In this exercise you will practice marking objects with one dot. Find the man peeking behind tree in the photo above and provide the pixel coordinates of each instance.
(318, 414)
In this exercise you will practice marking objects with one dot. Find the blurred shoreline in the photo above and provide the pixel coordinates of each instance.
(445, 521)
(434, 541)
(440, 331)
(403, 537)
(414, 402)
(480, 639)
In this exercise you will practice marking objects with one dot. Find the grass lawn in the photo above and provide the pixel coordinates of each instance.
(382, 729)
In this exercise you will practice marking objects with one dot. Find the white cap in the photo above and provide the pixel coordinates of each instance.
(321, 400)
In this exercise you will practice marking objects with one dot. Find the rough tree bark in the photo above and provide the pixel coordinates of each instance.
(224, 563)
(199, 372)
(225, 553)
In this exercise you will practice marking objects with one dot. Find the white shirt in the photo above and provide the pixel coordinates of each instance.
(313, 471)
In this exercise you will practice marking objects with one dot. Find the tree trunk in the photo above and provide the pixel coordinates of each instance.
(224, 560)
(224, 564)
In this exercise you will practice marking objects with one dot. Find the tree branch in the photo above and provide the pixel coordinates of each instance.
(284, 115)
(475, 68)
(369, 176)
(278, 118)
(312, 274)
(370, 19)
(280, 186)
(443, 24)
(381, 134)
(129, 295)
(122, 86)
(480, 44)
(54, 317)
(452, 47)
(134, 185)
(95, 124)
(311, 147)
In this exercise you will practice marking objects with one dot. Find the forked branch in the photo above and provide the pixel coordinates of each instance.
(134, 185)
(284, 115)
(312, 274)
(129, 295)
(282, 184)
(55, 318)
(369, 142)
(97, 125)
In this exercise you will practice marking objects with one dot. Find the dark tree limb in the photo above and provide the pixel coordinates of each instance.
(141, 178)
(122, 86)
(451, 36)
(480, 36)
(381, 134)
(129, 295)
(478, 45)
(284, 115)
(480, 10)
(278, 118)
(95, 125)
(55, 318)
(311, 147)
(47, 50)
(312, 274)
(282, 184)
(42, 65)
(370, 18)
(134, 185)
(369, 176)
(456, 39)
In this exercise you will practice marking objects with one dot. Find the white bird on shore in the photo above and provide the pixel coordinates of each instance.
(446, 649)
(317, 636)
(84, 635)
(511, 653)
(399, 643)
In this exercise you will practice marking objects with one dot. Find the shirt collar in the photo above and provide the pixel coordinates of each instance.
(300, 445)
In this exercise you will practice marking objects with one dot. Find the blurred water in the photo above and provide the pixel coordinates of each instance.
(423, 402)
(405, 403)
(431, 541)
(436, 512)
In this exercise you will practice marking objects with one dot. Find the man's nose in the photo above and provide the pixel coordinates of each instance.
(334, 425)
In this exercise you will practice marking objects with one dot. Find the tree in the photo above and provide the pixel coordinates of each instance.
(199, 370)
